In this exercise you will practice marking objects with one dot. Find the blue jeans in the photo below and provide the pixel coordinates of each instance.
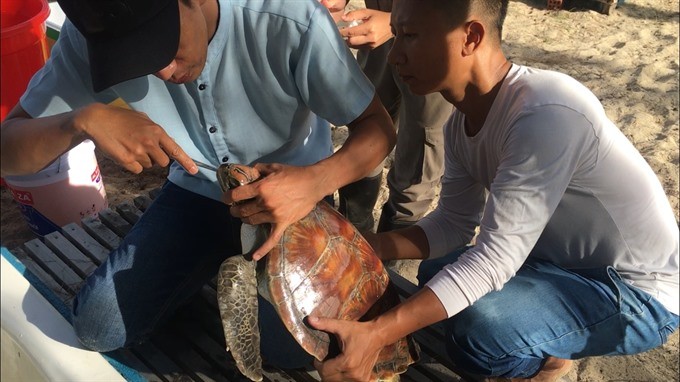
(545, 310)
(171, 252)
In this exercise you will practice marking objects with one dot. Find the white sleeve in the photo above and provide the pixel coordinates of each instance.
(542, 152)
(459, 210)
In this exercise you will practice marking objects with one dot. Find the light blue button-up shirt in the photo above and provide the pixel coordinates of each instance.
(276, 72)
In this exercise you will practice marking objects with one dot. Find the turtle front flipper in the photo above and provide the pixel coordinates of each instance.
(237, 301)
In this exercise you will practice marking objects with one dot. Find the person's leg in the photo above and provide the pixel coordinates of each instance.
(175, 248)
(357, 200)
(418, 158)
(546, 311)
(278, 347)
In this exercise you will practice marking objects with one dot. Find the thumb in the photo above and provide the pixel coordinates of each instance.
(264, 169)
(329, 325)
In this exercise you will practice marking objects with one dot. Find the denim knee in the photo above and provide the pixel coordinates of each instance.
(97, 325)
(473, 362)
(471, 335)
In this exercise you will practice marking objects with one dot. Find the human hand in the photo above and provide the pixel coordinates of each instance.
(359, 346)
(283, 195)
(374, 31)
(130, 138)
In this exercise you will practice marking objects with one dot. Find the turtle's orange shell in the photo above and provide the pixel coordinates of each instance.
(322, 266)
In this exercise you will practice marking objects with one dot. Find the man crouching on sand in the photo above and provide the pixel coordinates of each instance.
(577, 252)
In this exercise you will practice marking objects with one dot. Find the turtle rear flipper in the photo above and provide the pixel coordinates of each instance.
(237, 302)
(394, 359)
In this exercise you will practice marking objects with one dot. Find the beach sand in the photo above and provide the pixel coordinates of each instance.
(629, 59)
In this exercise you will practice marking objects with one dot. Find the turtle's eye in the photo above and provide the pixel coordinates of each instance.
(233, 182)
(239, 175)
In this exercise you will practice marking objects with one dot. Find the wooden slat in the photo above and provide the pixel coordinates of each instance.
(47, 279)
(131, 359)
(71, 255)
(142, 202)
(115, 222)
(434, 371)
(86, 243)
(181, 352)
(205, 313)
(129, 212)
(208, 349)
(100, 232)
(157, 361)
(50, 262)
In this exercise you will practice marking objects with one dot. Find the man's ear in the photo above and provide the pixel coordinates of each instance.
(475, 34)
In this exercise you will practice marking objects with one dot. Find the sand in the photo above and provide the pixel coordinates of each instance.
(629, 59)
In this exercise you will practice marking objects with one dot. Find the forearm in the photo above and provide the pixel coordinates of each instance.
(419, 311)
(371, 138)
(402, 244)
(29, 145)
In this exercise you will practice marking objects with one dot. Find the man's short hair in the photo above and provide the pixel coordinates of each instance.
(492, 12)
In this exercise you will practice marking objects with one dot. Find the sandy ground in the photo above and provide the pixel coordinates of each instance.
(629, 59)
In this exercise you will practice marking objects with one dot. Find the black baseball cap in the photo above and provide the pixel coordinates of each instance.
(126, 39)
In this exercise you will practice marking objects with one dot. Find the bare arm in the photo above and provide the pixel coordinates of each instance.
(128, 137)
(29, 145)
(401, 244)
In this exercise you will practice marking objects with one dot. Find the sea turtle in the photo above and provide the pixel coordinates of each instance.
(322, 266)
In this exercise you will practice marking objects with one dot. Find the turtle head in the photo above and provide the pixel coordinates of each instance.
(230, 175)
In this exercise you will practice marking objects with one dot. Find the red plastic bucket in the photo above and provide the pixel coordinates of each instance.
(23, 47)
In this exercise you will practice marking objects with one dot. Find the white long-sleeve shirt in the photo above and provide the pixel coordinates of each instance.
(550, 176)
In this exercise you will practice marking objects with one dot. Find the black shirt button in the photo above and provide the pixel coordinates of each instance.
(202, 86)
(212, 129)
(225, 159)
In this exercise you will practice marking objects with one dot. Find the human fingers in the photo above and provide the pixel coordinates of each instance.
(133, 167)
(360, 36)
(358, 14)
(325, 324)
(352, 28)
(135, 162)
(358, 42)
(266, 169)
(342, 368)
(242, 194)
(174, 151)
(328, 371)
(272, 240)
